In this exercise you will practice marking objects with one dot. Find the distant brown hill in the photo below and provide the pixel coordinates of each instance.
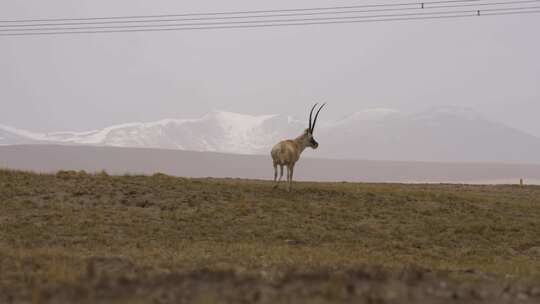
(50, 158)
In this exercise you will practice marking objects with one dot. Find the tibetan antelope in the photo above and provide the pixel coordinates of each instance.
(287, 152)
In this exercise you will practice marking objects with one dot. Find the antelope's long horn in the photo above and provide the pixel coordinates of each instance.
(310, 113)
(317, 115)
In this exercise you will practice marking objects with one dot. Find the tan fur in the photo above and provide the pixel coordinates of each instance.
(287, 153)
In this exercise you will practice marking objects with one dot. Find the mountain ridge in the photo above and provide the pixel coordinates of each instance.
(437, 134)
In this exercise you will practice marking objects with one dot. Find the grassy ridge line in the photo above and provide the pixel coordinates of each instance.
(51, 224)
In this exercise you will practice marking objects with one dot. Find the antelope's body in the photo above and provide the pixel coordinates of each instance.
(287, 152)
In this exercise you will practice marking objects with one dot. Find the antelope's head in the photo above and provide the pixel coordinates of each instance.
(308, 133)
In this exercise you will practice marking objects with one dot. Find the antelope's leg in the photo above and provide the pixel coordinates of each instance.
(288, 185)
(290, 175)
(275, 174)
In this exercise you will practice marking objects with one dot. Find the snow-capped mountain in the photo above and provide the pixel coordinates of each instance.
(217, 131)
(374, 114)
(13, 136)
(438, 134)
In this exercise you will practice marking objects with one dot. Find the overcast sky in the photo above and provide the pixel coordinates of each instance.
(79, 82)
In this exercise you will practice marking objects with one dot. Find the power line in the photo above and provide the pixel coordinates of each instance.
(254, 22)
(427, 3)
(510, 13)
(268, 25)
(32, 25)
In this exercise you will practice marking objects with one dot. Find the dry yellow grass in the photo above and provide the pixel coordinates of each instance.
(57, 229)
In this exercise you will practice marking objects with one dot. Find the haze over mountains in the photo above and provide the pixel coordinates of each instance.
(114, 160)
(448, 134)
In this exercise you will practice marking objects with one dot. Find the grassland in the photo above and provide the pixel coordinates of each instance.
(76, 237)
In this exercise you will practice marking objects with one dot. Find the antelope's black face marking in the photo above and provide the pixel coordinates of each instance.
(311, 142)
